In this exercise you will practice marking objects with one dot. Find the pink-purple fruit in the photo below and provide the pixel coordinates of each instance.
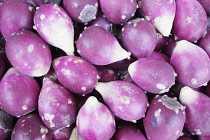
(160, 12)
(197, 111)
(118, 11)
(81, 10)
(124, 99)
(99, 46)
(204, 43)
(153, 75)
(95, 121)
(48, 20)
(106, 74)
(190, 21)
(15, 16)
(28, 53)
(76, 74)
(139, 37)
(29, 127)
(128, 131)
(18, 93)
(164, 119)
(191, 63)
(56, 105)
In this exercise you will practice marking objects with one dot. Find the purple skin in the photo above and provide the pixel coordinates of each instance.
(204, 137)
(190, 21)
(139, 37)
(206, 5)
(59, 110)
(160, 12)
(124, 99)
(81, 10)
(95, 121)
(153, 75)
(191, 63)
(169, 48)
(16, 15)
(184, 138)
(31, 2)
(102, 21)
(106, 74)
(31, 126)
(28, 53)
(99, 46)
(18, 99)
(204, 43)
(39, 2)
(123, 64)
(126, 132)
(160, 56)
(197, 111)
(63, 133)
(118, 11)
(2, 67)
(165, 119)
(161, 41)
(76, 74)
(7, 122)
(48, 19)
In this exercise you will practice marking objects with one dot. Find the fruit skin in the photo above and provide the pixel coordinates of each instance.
(18, 93)
(102, 49)
(191, 63)
(160, 56)
(48, 19)
(164, 119)
(128, 131)
(153, 75)
(76, 74)
(106, 74)
(204, 137)
(139, 37)
(190, 21)
(197, 112)
(56, 105)
(206, 5)
(124, 99)
(204, 43)
(31, 126)
(63, 133)
(82, 11)
(160, 12)
(15, 16)
(95, 121)
(101, 21)
(28, 53)
(118, 11)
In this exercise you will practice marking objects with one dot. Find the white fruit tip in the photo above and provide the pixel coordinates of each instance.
(98, 85)
(188, 95)
(119, 53)
(132, 69)
(164, 24)
(184, 45)
(75, 135)
(92, 101)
